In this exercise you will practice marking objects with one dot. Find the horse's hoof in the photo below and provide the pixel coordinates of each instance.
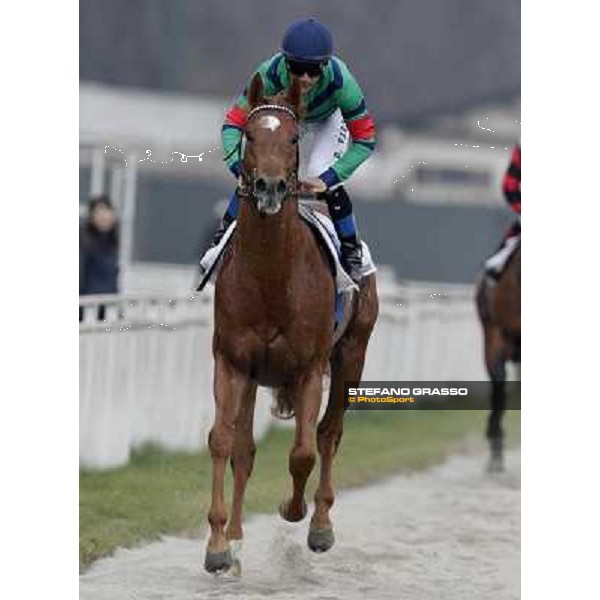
(236, 568)
(320, 540)
(217, 562)
(284, 511)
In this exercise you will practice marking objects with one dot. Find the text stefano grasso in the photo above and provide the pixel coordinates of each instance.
(425, 391)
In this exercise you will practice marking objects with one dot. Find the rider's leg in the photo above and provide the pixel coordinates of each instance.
(494, 265)
(326, 142)
(228, 218)
(207, 258)
(340, 209)
(514, 231)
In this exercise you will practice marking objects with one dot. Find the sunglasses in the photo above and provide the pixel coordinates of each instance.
(299, 68)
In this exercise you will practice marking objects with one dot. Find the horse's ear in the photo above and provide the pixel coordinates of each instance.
(295, 96)
(255, 93)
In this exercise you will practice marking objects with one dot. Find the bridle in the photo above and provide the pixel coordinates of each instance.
(247, 189)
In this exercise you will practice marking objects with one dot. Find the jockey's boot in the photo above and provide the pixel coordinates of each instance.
(352, 257)
(226, 221)
(228, 218)
(340, 209)
(494, 265)
(492, 274)
(208, 256)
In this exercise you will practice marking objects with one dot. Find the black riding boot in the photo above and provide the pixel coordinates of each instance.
(352, 257)
(340, 209)
(228, 218)
(226, 221)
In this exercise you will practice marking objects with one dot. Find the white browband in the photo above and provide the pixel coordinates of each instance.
(285, 109)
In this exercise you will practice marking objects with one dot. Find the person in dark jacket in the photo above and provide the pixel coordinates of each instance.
(99, 249)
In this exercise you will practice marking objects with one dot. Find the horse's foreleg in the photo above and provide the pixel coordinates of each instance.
(230, 387)
(347, 362)
(242, 461)
(495, 360)
(306, 393)
(346, 365)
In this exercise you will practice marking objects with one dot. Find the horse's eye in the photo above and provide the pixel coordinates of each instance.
(249, 138)
(295, 139)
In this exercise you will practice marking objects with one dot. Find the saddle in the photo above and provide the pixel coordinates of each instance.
(315, 215)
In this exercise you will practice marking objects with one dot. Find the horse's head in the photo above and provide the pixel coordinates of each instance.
(270, 165)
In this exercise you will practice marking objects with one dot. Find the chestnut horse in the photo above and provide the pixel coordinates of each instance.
(274, 325)
(499, 308)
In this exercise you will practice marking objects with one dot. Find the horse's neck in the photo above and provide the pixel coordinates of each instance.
(266, 245)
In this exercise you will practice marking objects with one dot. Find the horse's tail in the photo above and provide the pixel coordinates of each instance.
(283, 404)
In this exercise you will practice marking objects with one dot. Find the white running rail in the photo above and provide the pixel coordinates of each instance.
(145, 372)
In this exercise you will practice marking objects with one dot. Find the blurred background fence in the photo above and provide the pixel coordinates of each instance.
(146, 368)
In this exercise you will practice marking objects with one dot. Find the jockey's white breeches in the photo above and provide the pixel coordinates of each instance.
(321, 144)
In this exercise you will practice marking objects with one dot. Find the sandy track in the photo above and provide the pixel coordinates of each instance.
(452, 532)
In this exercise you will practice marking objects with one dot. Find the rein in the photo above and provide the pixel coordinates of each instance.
(247, 189)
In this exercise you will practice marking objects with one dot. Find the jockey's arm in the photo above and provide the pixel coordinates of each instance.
(511, 184)
(235, 122)
(362, 132)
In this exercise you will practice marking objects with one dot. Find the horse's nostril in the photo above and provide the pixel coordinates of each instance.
(281, 186)
(261, 185)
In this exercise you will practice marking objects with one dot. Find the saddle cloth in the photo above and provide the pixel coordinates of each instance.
(324, 231)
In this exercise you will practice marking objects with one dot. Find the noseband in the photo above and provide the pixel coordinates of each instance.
(248, 187)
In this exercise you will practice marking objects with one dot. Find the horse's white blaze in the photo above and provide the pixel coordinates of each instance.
(270, 122)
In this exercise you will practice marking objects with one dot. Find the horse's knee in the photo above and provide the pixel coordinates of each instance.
(328, 438)
(244, 459)
(303, 452)
(220, 442)
(302, 456)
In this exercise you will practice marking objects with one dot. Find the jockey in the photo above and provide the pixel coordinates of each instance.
(511, 186)
(336, 136)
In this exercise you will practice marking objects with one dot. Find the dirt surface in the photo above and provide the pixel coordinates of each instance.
(452, 532)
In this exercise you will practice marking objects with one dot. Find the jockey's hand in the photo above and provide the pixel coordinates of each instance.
(311, 185)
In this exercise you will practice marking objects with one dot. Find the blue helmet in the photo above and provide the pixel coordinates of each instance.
(307, 41)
